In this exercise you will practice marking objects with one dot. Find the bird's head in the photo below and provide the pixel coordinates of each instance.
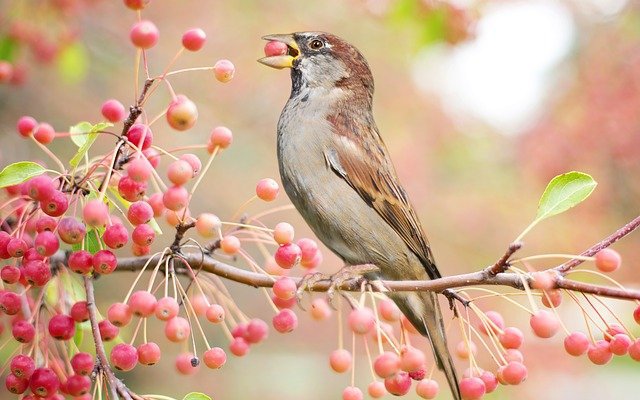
(320, 59)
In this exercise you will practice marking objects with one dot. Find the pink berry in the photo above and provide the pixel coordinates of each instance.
(131, 190)
(10, 274)
(636, 314)
(352, 393)
(142, 303)
(599, 352)
(620, 344)
(115, 236)
(194, 161)
(22, 366)
(17, 247)
(81, 262)
(124, 357)
(398, 384)
(285, 288)
(551, 298)
(320, 309)
(361, 320)
(113, 111)
(545, 324)
(62, 327)
(144, 34)
(148, 353)
(44, 133)
(464, 349)
(153, 156)
(288, 255)
(257, 331)
(239, 347)
(95, 213)
(23, 331)
(119, 314)
(411, 359)
(10, 302)
(40, 187)
(608, 260)
(224, 70)
(16, 385)
(139, 169)
(490, 381)
(214, 358)
(55, 205)
(108, 331)
(26, 125)
(514, 373)
(267, 189)
(182, 113)
(511, 338)
(194, 39)
(140, 135)
(472, 388)
(221, 137)
(275, 48)
(71, 231)
(155, 201)
(143, 235)
(376, 389)
(427, 389)
(175, 198)
(177, 329)
(44, 382)
(496, 319)
(187, 364)
(77, 385)
(389, 311)
(36, 272)
(634, 350)
(230, 244)
(283, 234)
(47, 223)
(46, 243)
(513, 355)
(386, 364)
(215, 313)
(82, 363)
(285, 321)
(79, 311)
(208, 225)
(166, 308)
(180, 172)
(104, 262)
(612, 330)
(340, 360)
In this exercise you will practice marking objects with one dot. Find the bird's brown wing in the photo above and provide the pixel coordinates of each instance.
(368, 169)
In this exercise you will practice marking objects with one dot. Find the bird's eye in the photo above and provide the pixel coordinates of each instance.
(316, 44)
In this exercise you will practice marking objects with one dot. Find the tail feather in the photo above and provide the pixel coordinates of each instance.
(423, 311)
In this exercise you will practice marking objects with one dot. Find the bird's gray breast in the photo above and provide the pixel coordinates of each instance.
(337, 214)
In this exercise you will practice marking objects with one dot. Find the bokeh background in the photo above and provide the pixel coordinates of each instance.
(480, 103)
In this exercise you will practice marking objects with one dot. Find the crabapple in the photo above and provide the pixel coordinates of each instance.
(143, 235)
(62, 327)
(142, 303)
(239, 347)
(177, 329)
(95, 213)
(284, 288)
(283, 234)
(139, 169)
(44, 133)
(257, 331)
(608, 260)
(386, 364)
(411, 359)
(398, 384)
(108, 331)
(148, 353)
(77, 385)
(511, 338)
(175, 198)
(194, 161)
(285, 321)
(215, 313)
(496, 319)
(187, 363)
(79, 311)
(70, 230)
(26, 125)
(40, 187)
(620, 343)
(179, 172)
(545, 324)
(194, 39)
(119, 314)
(514, 373)
(22, 366)
(472, 388)
(427, 389)
(340, 360)
(267, 189)
(288, 255)
(275, 48)
(23, 331)
(352, 393)
(46, 243)
(599, 352)
(44, 382)
(320, 309)
(104, 262)
(113, 111)
(80, 261)
(141, 136)
(214, 358)
(182, 113)
(144, 34)
(361, 320)
(223, 70)
(208, 225)
(131, 190)
(230, 244)
(82, 363)
(221, 137)
(166, 308)
(124, 357)
(55, 205)
(115, 236)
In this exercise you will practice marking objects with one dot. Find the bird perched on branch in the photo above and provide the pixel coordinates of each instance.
(337, 172)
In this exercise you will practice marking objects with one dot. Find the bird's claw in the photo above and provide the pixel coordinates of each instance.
(306, 283)
(347, 273)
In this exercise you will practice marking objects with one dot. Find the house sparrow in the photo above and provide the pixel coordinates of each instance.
(338, 174)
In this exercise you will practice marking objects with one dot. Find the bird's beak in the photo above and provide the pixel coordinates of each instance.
(285, 60)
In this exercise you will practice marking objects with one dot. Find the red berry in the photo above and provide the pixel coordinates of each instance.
(10, 302)
(124, 357)
(283, 234)
(223, 70)
(288, 255)
(399, 384)
(144, 34)
(490, 381)
(177, 329)
(496, 319)
(44, 382)
(285, 321)
(361, 320)
(551, 298)
(636, 314)
(214, 358)
(141, 136)
(56, 205)
(26, 125)
(545, 324)
(81, 262)
(320, 309)
(139, 169)
(472, 388)
(108, 331)
(82, 363)
(257, 331)
(634, 350)
(44, 133)
(427, 389)
(10, 274)
(239, 347)
(275, 48)
(511, 338)
(155, 201)
(386, 364)
(71, 231)
(175, 198)
(62, 327)
(149, 353)
(104, 262)
(23, 331)
(22, 366)
(194, 39)
(620, 344)
(221, 137)
(608, 260)
(113, 111)
(131, 190)
(180, 172)
(47, 223)
(340, 360)
(46, 243)
(115, 236)
(139, 212)
(95, 213)
(411, 359)
(136, 4)
(194, 161)
(16, 385)
(40, 187)
(142, 303)
(119, 314)
(267, 189)
(182, 113)
(514, 373)
(599, 352)
(166, 308)
(187, 364)
(284, 288)
(77, 385)
(17, 247)
(36, 272)
(612, 330)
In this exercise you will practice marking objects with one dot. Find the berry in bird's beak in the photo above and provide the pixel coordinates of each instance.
(280, 51)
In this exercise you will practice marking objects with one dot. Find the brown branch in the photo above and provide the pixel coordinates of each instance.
(503, 263)
(606, 242)
(115, 385)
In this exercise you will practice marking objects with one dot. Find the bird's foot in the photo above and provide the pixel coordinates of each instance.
(354, 273)
(307, 283)
(452, 296)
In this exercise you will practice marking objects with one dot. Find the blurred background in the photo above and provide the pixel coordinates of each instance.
(480, 103)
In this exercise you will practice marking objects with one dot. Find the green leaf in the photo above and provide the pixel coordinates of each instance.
(91, 241)
(73, 63)
(196, 396)
(78, 336)
(564, 192)
(19, 172)
(8, 47)
(83, 135)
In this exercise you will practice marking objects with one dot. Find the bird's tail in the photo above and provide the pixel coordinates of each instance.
(423, 311)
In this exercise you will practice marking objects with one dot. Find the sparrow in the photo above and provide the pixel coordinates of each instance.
(337, 172)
